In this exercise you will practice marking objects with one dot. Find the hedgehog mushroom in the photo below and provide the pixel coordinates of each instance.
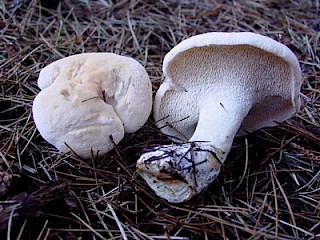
(217, 86)
(89, 101)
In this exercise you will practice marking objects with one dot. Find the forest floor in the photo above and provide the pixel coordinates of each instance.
(269, 186)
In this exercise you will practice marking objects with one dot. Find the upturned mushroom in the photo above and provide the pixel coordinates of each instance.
(89, 101)
(216, 86)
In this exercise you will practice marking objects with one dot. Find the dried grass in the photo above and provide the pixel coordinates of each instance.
(269, 187)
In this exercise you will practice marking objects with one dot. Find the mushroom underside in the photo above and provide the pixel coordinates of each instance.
(238, 71)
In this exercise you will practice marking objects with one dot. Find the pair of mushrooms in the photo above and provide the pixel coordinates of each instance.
(217, 86)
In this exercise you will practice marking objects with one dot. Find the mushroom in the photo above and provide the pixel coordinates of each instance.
(216, 86)
(89, 101)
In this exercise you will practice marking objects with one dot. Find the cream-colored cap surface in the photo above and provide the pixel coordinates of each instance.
(88, 98)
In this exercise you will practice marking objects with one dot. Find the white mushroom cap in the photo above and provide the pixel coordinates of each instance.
(215, 62)
(87, 98)
(217, 85)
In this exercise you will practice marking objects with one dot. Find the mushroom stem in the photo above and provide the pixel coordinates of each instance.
(178, 172)
(220, 119)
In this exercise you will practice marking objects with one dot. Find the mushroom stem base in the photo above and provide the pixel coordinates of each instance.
(178, 172)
